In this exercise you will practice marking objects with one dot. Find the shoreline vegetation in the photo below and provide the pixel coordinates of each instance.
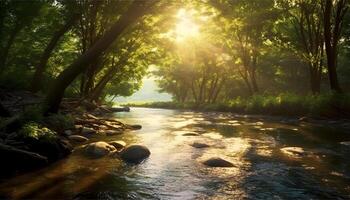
(30, 140)
(333, 106)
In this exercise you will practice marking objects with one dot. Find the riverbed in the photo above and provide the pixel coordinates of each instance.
(273, 159)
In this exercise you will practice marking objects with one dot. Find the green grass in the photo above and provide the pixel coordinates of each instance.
(285, 104)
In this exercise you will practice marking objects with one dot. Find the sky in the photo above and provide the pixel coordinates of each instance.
(147, 93)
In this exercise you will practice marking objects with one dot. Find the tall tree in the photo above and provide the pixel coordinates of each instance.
(40, 69)
(136, 10)
(333, 14)
(22, 14)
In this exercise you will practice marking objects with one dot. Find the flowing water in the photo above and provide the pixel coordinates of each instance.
(273, 159)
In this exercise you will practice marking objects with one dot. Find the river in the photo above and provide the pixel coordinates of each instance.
(273, 159)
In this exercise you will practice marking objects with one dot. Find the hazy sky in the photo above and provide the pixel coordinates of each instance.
(148, 92)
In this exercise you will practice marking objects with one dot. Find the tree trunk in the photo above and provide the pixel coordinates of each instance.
(38, 74)
(54, 97)
(332, 35)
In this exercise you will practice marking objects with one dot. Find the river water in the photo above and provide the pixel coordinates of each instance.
(273, 159)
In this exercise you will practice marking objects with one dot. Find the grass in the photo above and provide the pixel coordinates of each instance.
(285, 104)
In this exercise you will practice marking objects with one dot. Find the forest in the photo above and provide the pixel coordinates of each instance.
(64, 62)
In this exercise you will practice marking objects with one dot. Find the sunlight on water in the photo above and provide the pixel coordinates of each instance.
(270, 159)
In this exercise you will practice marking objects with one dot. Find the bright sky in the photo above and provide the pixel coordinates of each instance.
(184, 29)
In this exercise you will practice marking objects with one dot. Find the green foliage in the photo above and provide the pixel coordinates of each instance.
(326, 105)
(35, 131)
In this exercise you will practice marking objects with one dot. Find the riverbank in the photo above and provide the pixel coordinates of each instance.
(326, 106)
(29, 140)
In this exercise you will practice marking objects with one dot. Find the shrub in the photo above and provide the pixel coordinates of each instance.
(34, 131)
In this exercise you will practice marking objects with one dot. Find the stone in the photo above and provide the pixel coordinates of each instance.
(199, 145)
(135, 154)
(99, 149)
(86, 130)
(217, 162)
(17, 159)
(113, 132)
(295, 152)
(190, 134)
(345, 143)
(78, 138)
(304, 119)
(68, 132)
(118, 144)
(135, 127)
(120, 109)
(53, 149)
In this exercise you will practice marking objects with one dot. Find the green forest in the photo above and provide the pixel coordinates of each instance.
(64, 62)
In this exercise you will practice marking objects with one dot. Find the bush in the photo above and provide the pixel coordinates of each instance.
(286, 104)
(34, 131)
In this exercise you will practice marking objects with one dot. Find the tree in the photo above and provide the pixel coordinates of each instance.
(21, 14)
(136, 10)
(333, 14)
(38, 74)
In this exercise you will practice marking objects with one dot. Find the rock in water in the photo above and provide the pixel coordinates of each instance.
(135, 153)
(346, 143)
(217, 162)
(113, 132)
(135, 127)
(78, 138)
(99, 149)
(68, 132)
(118, 144)
(199, 145)
(86, 130)
(190, 134)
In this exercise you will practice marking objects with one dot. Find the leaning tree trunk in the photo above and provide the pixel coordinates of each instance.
(40, 69)
(53, 99)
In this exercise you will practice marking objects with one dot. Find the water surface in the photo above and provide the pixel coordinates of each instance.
(272, 159)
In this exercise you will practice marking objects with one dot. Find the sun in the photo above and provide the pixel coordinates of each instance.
(185, 28)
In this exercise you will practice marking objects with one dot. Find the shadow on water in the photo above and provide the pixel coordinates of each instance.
(272, 160)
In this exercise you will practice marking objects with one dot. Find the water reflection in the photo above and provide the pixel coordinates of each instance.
(272, 160)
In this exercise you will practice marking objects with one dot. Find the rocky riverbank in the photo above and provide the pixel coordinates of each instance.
(29, 140)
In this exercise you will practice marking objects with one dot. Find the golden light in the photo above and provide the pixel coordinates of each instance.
(185, 28)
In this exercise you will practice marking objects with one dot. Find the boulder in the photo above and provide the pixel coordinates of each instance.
(345, 143)
(68, 132)
(53, 149)
(190, 134)
(135, 153)
(99, 149)
(295, 152)
(199, 145)
(217, 162)
(18, 159)
(113, 132)
(135, 126)
(78, 138)
(120, 109)
(118, 144)
(86, 130)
